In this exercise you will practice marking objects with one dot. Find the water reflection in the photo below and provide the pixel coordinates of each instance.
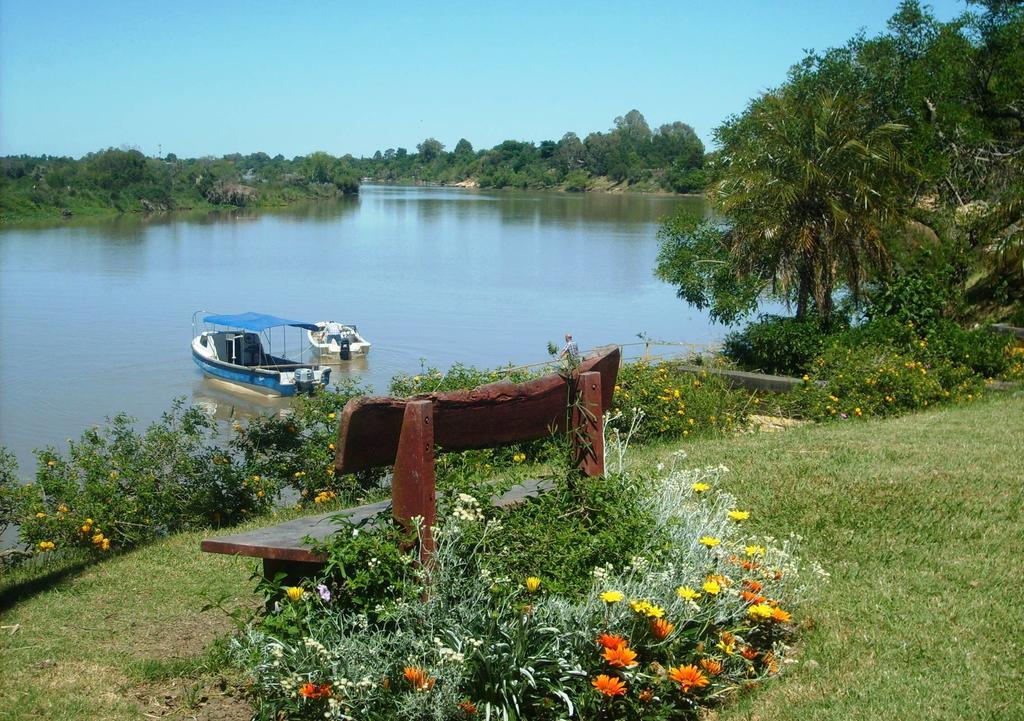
(440, 275)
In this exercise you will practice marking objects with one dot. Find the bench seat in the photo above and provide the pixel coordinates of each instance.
(284, 543)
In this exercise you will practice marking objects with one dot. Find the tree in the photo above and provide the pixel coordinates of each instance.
(430, 149)
(463, 148)
(810, 190)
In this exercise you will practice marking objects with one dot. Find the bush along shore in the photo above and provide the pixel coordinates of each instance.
(116, 487)
(114, 181)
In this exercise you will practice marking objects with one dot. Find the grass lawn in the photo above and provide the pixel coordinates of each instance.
(918, 520)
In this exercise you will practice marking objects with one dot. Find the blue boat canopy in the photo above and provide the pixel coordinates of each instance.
(257, 321)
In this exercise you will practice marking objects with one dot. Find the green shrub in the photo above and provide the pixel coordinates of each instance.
(919, 298)
(875, 380)
(297, 450)
(11, 491)
(577, 181)
(777, 345)
(674, 403)
(116, 488)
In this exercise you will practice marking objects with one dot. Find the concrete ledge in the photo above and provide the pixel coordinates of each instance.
(751, 381)
(1007, 328)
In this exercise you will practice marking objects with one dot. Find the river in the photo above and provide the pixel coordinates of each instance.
(95, 317)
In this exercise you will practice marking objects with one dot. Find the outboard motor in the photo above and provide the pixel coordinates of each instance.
(304, 380)
(345, 349)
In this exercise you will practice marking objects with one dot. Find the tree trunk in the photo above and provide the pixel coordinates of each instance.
(803, 295)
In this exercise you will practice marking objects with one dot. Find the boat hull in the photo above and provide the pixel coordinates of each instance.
(251, 378)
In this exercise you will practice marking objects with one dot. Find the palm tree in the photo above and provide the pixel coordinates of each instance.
(810, 190)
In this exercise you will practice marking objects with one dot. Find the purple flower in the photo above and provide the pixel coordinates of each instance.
(324, 592)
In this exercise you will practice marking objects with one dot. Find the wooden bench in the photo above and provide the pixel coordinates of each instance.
(406, 432)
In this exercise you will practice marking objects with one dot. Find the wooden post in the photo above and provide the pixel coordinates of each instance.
(413, 484)
(588, 431)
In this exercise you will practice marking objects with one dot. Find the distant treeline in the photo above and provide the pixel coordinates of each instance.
(126, 180)
(669, 158)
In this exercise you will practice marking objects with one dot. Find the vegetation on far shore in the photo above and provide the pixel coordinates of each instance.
(116, 181)
(630, 156)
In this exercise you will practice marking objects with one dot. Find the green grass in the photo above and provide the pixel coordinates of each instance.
(918, 520)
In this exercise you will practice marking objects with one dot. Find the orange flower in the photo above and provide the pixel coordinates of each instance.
(311, 690)
(752, 585)
(620, 656)
(609, 685)
(418, 678)
(748, 652)
(610, 640)
(752, 597)
(781, 616)
(468, 707)
(647, 695)
(688, 677)
(660, 628)
(711, 666)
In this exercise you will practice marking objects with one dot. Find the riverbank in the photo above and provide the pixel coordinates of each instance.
(601, 184)
(921, 527)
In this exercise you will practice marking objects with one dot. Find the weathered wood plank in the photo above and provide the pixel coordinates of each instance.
(284, 542)
(492, 415)
(413, 482)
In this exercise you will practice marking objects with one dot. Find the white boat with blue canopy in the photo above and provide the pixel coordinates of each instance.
(239, 355)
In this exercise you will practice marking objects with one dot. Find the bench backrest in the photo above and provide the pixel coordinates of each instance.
(492, 415)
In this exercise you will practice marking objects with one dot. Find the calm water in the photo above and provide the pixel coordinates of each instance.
(96, 318)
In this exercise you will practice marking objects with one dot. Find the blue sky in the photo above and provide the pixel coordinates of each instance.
(209, 78)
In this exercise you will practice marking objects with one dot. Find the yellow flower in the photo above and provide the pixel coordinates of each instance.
(97, 539)
(754, 550)
(255, 478)
(295, 593)
(712, 588)
(330, 416)
(46, 545)
(612, 596)
(648, 609)
(739, 515)
(532, 584)
(106, 544)
(40, 515)
(806, 377)
(699, 487)
(51, 463)
(86, 528)
(330, 446)
(62, 508)
(760, 611)
(687, 594)
(113, 475)
(709, 541)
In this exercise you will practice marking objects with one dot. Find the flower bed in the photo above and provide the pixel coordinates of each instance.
(684, 614)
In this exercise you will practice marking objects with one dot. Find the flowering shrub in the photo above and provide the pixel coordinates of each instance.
(875, 381)
(116, 488)
(700, 609)
(675, 403)
(297, 450)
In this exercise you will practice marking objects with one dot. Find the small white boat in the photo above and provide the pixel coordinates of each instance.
(339, 339)
(238, 355)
